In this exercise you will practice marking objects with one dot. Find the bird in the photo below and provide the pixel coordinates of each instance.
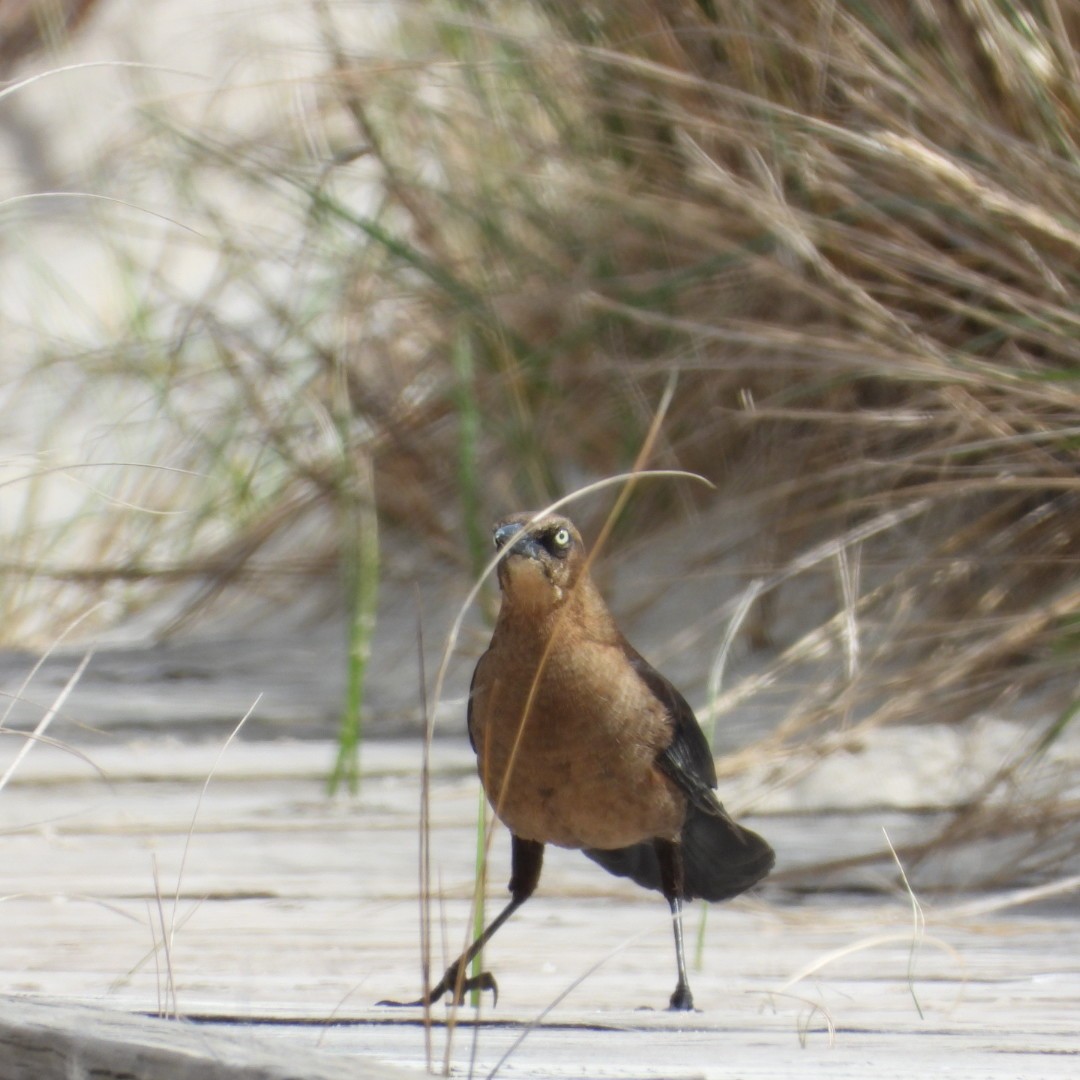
(582, 744)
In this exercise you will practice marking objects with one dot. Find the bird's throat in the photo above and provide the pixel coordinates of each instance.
(529, 586)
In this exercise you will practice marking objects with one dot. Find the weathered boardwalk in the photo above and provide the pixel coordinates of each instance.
(277, 917)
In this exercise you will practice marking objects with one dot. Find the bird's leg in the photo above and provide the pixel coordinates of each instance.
(671, 881)
(526, 860)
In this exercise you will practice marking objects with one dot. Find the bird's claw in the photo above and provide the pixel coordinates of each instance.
(451, 983)
(484, 981)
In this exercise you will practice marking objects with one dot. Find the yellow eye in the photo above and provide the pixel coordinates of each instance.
(562, 538)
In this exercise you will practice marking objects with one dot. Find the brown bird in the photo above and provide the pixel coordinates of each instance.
(582, 744)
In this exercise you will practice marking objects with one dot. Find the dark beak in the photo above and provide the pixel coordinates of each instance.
(505, 533)
(527, 545)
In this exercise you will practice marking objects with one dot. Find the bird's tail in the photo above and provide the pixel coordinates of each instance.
(720, 858)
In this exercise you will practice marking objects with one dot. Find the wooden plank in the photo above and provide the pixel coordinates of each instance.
(298, 912)
(58, 1041)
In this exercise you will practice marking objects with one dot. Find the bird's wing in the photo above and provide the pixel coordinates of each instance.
(720, 857)
(688, 759)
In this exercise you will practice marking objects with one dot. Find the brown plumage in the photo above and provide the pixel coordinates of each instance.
(580, 743)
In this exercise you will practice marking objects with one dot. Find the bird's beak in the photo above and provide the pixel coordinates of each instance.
(526, 546)
(504, 533)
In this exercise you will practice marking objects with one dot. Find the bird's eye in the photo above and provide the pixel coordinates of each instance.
(561, 539)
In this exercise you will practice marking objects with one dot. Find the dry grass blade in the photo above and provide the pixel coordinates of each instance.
(874, 942)
(814, 1007)
(24, 84)
(38, 733)
(168, 1005)
(164, 944)
(424, 868)
(41, 659)
(195, 814)
(918, 929)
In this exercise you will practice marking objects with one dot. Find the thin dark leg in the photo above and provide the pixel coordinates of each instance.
(526, 862)
(671, 880)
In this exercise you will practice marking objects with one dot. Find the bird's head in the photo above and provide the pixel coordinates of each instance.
(543, 560)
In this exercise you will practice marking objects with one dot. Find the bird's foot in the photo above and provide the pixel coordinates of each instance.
(451, 983)
(681, 1000)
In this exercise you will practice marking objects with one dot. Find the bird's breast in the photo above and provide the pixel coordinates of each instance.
(566, 748)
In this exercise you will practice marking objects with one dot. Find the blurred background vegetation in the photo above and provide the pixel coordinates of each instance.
(444, 260)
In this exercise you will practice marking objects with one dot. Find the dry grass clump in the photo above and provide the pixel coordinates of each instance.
(852, 230)
(490, 237)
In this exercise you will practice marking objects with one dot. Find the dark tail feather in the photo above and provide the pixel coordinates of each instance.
(720, 859)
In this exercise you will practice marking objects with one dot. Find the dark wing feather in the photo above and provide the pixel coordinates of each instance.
(720, 858)
(688, 759)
